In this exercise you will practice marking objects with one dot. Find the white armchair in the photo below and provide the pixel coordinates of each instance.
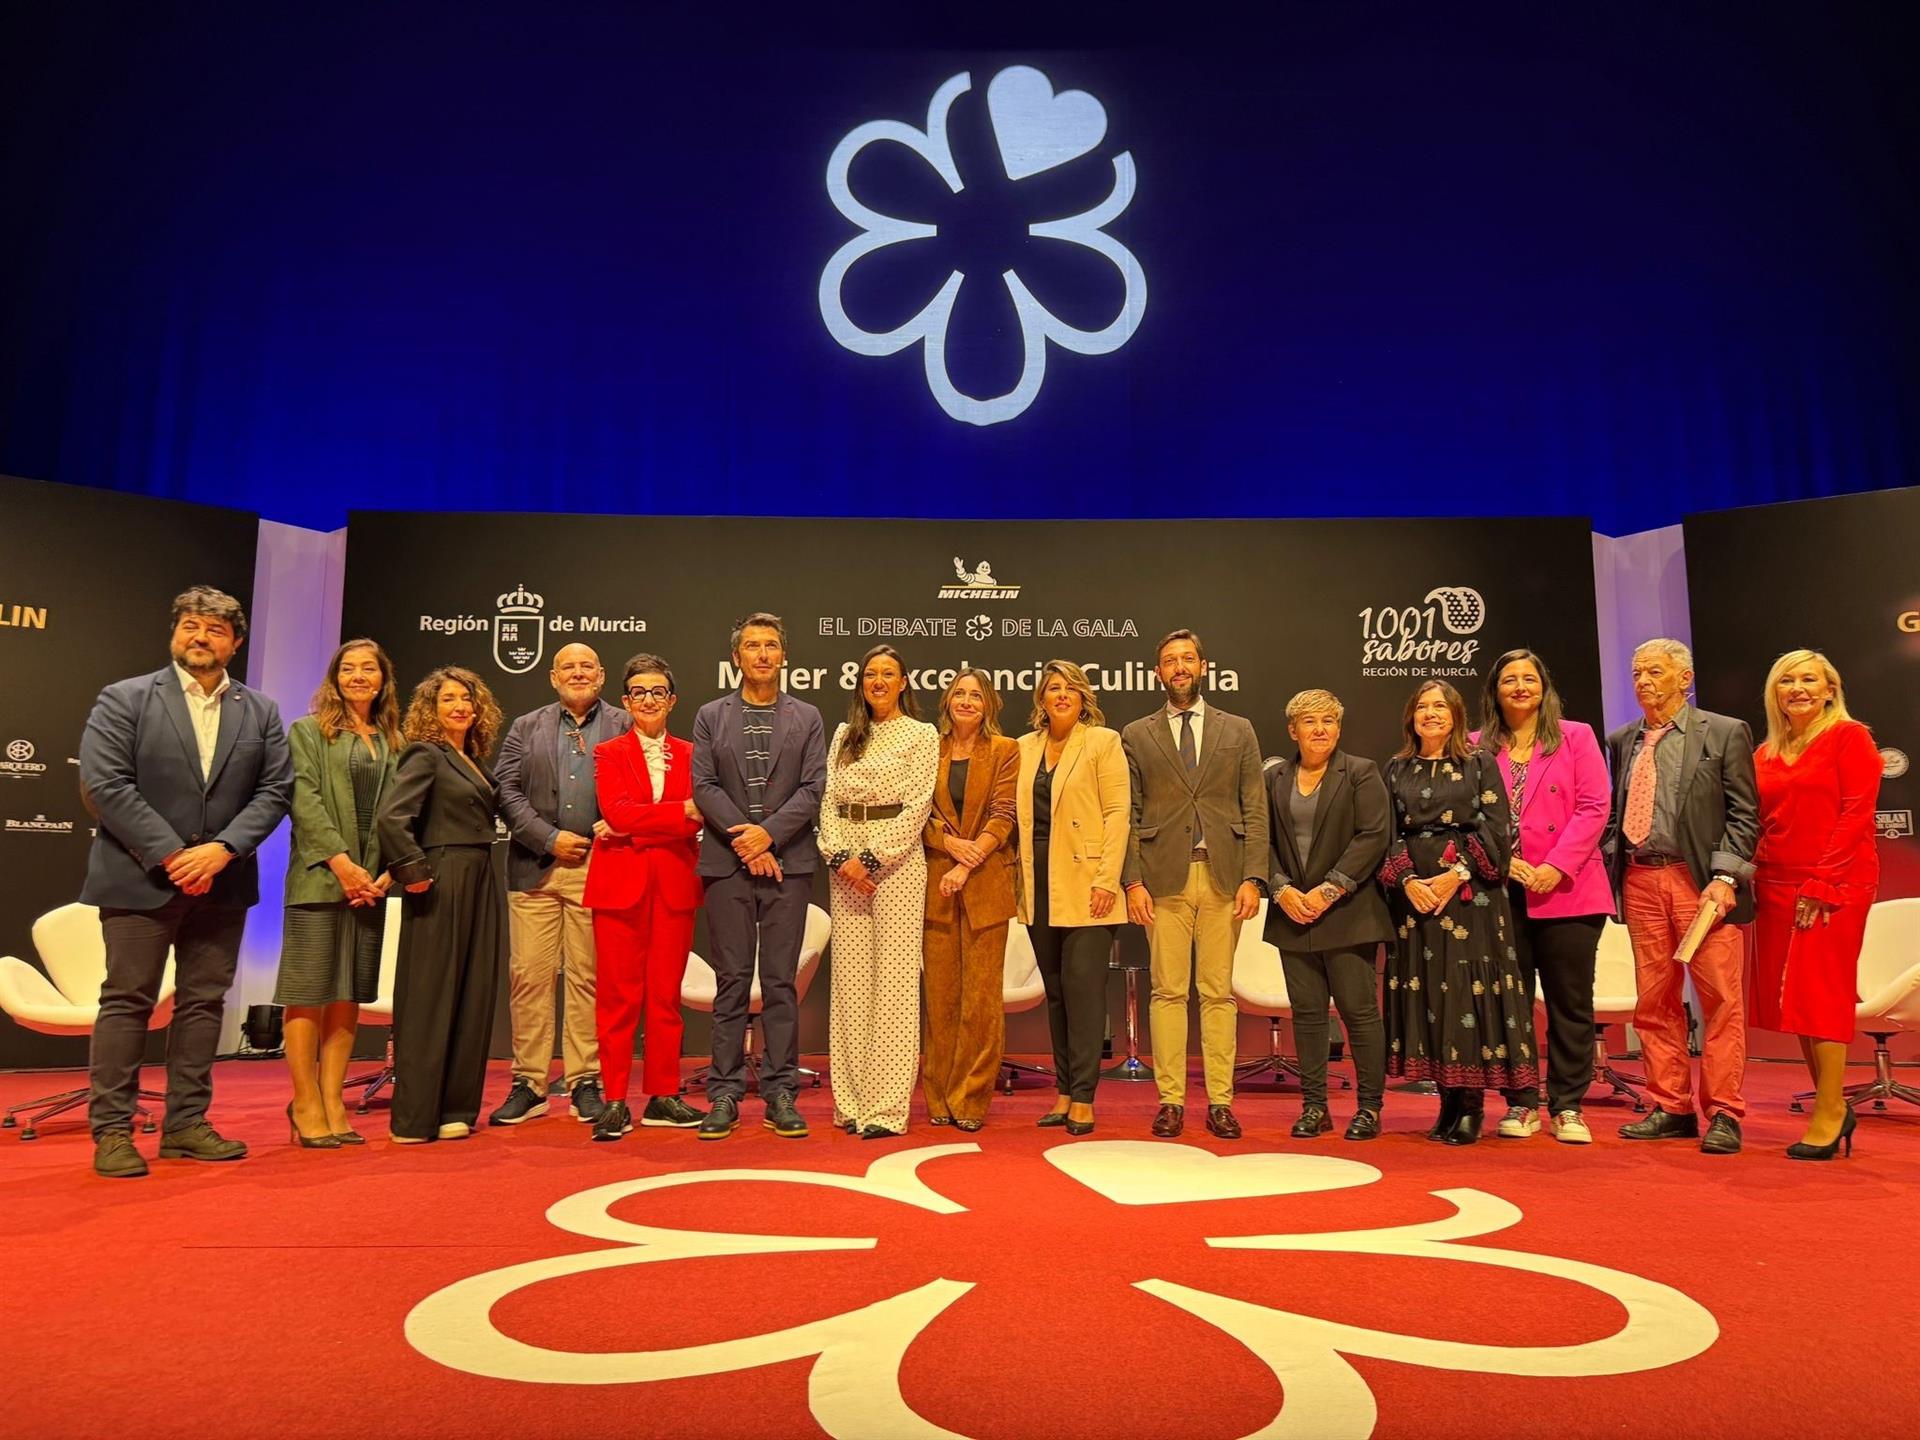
(379, 1011)
(1616, 990)
(1021, 988)
(66, 1000)
(1260, 988)
(1888, 982)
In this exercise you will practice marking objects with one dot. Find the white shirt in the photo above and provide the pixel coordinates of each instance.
(204, 711)
(656, 753)
(1199, 713)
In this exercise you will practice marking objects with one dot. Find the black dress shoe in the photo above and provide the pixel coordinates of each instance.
(1313, 1121)
(1052, 1119)
(880, 1132)
(1663, 1125)
(1723, 1136)
(720, 1119)
(1365, 1126)
(783, 1116)
(1465, 1129)
(1449, 1112)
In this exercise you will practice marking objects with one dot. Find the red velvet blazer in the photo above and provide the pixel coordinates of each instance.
(654, 845)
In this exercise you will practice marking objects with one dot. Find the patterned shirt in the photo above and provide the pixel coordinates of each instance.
(756, 753)
(579, 806)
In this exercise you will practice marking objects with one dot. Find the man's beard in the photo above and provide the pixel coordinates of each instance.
(1183, 695)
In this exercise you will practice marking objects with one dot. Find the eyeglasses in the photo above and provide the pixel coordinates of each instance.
(657, 693)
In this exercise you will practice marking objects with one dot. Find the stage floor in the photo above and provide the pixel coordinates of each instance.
(528, 1283)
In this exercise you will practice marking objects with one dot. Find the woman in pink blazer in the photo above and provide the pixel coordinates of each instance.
(1557, 885)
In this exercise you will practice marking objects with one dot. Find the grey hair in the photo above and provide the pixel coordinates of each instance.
(1672, 649)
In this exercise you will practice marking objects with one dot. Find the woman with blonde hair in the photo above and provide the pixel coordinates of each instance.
(1816, 869)
(436, 828)
(343, 760)
(1071, 797)
(970, 900)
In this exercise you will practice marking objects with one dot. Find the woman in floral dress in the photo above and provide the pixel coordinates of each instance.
(1457, 1011)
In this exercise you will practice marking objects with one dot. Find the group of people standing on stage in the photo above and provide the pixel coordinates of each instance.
(1486, 862)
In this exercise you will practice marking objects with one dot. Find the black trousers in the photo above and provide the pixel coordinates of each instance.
(452, 947)
(1561, 953)
(1073, 967)
(205, 939)
(1348, 979)
(749, 917)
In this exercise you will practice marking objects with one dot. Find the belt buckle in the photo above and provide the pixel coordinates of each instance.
(857, 811)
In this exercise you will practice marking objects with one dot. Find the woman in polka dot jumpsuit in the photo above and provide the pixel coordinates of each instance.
(881, 769)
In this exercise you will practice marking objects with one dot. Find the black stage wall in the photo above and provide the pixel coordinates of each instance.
(89, 578)
(1839, 576)
(1362, 607)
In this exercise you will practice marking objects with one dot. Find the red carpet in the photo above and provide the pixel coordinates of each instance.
(1002, 1289)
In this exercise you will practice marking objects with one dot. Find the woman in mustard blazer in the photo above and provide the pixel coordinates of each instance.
(1072, 802)
(970, 899)
(343, 759)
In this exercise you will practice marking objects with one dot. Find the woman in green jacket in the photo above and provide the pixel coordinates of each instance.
(343, 760)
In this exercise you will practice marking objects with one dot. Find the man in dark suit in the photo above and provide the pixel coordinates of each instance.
(1683, 830)
(1195, 870)
(545, 771)
(188, 772)
(759, 770)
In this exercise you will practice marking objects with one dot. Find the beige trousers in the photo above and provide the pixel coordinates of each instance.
(1192, 941)
(546, 926)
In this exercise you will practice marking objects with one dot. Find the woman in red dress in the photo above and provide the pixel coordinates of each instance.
(1815, 872)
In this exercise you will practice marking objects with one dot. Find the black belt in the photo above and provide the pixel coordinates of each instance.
(1655, 862)
(858, 812)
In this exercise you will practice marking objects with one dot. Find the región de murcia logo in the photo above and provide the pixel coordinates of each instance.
(977, 583)
(520, 625)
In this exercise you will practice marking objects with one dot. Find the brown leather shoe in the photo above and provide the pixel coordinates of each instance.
(1220, 1122)
(1169, 1121)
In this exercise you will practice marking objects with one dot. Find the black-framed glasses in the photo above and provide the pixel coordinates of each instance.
(658, 693)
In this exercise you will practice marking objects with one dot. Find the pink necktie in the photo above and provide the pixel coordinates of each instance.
(1637, 823)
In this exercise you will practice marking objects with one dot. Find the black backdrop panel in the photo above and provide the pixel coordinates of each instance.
(1361, 607)
(89, 578)
(1838, 576)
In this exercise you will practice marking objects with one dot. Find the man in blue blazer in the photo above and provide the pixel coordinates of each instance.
(188, 772)
(759, 770)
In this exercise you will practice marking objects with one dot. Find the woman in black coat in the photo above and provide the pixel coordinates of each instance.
(1330, 819)
(436, 826)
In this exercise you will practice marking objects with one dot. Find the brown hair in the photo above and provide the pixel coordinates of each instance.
(989, 713)
(860, 717)
(1077, 682)
(1494, 735)
(423, 714)
(1457, 748)
(329, 707)
(1173, 635)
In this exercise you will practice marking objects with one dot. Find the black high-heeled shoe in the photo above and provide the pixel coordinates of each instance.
(1051, 1119)
(329, 1141)
(1449, 1112)
(1467, 1120)
(1801, 1150)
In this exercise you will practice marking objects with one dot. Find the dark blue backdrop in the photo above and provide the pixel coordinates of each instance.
(1628, 262)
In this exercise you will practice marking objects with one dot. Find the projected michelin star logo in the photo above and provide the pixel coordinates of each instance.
(1036, 129)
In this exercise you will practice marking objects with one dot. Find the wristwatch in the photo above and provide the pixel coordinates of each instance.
(1463, 870)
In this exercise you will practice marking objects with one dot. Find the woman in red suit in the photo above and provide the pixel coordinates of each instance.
(643, 892)
(1815, 872)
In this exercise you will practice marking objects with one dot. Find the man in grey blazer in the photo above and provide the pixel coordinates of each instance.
(759, 770)
(1195, 870)
(1684, 826)
(188, 772)
(545, 771)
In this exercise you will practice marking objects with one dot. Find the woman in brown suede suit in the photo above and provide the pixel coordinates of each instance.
(969, 902)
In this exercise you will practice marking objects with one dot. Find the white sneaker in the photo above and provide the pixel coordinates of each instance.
(1519, 1122)
(1570, 1129)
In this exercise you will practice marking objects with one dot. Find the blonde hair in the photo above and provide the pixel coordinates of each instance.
(1779, 732)
(1077, 682)
(1315, 702)
(989, 712)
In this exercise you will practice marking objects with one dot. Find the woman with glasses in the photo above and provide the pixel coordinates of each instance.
(643, 892)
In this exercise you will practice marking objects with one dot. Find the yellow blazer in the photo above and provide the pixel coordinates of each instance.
(1088, 839)
(988, 894)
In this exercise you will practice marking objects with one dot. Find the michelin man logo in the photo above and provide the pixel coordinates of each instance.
(1035, 129)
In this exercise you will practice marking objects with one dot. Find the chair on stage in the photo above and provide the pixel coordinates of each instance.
(379, 1010)
(1888, 982)
(1260, 988)
(1616, 990)
(698, 989)
(66, 1001)
(1021, 988)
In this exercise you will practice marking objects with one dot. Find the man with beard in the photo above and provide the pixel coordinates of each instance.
(547, 797)
(1195, 869)
(188, 772)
